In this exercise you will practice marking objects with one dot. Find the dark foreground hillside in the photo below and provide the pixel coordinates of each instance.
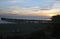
(26, 31)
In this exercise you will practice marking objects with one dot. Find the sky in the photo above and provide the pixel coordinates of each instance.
(30, 7)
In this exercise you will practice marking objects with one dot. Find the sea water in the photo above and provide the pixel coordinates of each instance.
(23, 17)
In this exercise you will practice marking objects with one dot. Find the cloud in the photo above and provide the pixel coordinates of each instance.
(32, 11)
(3, 11)
(16, 1)
(56, 4)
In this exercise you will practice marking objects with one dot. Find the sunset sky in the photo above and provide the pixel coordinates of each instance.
(30, 7)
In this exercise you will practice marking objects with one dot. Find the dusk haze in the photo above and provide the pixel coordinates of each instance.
(29, 19)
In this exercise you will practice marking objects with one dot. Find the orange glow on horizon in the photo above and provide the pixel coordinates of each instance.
(37, 14)
(51, 15)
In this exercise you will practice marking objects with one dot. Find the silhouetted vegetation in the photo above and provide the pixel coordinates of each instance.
(56, 26)
(16, 29)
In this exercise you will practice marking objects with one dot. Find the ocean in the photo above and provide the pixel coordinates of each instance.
(23, 17)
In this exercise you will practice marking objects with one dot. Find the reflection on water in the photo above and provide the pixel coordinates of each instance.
(23, 17)
(28, 17)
